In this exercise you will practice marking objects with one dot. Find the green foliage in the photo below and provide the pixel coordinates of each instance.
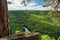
(36, 21)
(55, 17)
(46, 37)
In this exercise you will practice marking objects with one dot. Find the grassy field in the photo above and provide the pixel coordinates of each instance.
(36, 21)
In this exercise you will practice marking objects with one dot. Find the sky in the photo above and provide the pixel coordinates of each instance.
(32, 5)
(38, 2)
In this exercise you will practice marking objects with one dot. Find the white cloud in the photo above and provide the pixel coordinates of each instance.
(30, 6)
(9, 0)
(17, 7)
(14, 7)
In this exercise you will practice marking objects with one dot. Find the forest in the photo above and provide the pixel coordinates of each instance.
(35, 21)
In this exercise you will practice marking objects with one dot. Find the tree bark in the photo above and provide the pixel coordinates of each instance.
(4, 29)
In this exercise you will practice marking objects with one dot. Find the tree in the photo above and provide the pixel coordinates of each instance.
(53, 12)
(4, 29)
(53, 15)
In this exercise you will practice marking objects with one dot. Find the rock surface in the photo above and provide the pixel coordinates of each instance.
(24, 36)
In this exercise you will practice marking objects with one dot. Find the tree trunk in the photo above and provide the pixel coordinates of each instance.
(4, 29)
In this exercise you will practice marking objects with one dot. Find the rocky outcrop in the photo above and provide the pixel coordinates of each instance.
(26, 36)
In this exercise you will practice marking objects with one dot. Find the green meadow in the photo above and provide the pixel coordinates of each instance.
(36, 21)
